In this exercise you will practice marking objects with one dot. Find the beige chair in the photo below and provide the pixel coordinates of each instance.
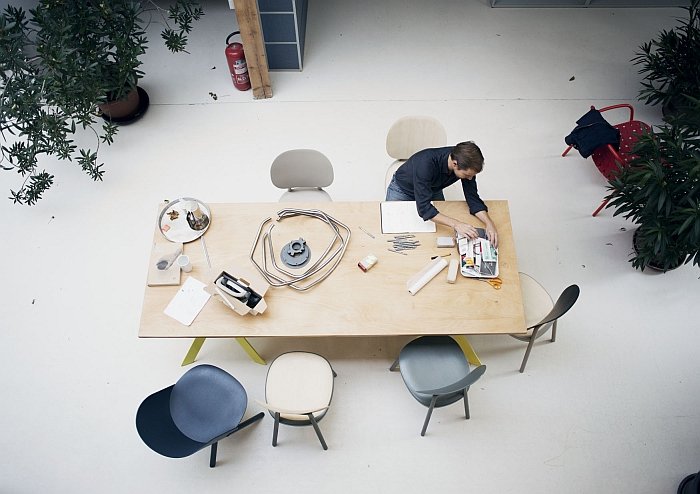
(541, 312)
(409, 135)
(304, 173)
(298, 391)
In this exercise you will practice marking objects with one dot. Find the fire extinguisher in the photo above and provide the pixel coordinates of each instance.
(236, 64)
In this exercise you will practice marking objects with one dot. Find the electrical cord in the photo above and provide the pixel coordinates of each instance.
(318, 271)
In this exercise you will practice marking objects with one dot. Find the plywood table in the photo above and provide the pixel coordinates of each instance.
(349, 302)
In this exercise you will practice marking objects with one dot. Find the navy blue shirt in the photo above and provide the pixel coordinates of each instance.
(426, 173)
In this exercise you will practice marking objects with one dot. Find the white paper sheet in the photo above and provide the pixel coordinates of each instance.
(189, 300)
(402, 217)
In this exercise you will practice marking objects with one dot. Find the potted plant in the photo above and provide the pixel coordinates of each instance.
(670, 63)
(660, 192)
(66, 65)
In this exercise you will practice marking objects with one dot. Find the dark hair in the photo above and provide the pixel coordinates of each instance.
(468, 156)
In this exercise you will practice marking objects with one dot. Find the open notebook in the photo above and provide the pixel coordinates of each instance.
(402, 217)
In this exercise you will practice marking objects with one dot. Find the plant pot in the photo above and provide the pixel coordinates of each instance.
(657, 265)
(127, 110)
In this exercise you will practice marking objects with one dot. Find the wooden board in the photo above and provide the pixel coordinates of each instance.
(170, 276)
(349, 302)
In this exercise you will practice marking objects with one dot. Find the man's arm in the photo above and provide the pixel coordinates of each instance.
(490, 228)
(479, 209)
(460, 227)
(468, 230)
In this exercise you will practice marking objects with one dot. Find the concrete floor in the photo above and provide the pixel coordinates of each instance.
(612, 406)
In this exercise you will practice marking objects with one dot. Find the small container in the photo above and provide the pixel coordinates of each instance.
(184, 262)
(367, 263)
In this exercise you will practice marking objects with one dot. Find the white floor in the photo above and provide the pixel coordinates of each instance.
(612, 406)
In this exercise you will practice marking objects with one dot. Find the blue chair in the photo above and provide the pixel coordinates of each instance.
(204, 406)
(436, 373)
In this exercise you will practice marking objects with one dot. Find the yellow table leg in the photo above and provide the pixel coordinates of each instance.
(252, 353)
(467, 348)
(193, 351)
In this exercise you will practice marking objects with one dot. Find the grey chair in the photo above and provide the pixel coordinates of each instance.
(541, 313)
(304, 173)
(411, 134)
(436, 373)
(204, 406)
(298, 391)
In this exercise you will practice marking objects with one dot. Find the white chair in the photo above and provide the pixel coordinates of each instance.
(409, 135)
(298, 391)
(304, 173)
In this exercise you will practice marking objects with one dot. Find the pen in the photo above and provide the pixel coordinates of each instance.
(368, 233)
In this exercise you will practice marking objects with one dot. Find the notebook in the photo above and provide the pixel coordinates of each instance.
(402, 217)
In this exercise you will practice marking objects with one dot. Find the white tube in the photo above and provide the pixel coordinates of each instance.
(420, 279)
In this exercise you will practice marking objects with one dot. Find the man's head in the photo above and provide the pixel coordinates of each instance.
(467, 159)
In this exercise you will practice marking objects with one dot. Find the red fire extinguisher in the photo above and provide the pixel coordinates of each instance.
(236, 64)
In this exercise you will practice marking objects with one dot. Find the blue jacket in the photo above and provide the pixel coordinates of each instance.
(591, 132)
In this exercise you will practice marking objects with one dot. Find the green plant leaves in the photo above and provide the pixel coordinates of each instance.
(670, 63)
(57, 64)
(660, 192)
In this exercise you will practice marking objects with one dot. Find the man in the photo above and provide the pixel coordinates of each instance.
(425, 174)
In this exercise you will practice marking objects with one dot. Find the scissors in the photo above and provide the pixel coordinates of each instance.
(494, 282)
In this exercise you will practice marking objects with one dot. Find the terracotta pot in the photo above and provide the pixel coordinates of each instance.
(117, 110)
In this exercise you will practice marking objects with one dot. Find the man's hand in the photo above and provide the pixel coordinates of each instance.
(466, 230)
(492, 235)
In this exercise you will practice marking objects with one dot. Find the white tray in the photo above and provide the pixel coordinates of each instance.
(172, 221)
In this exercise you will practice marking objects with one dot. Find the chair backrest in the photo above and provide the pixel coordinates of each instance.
(299, 381)
(207, 402)
(411, 134)
(301, 168)
(566, 301)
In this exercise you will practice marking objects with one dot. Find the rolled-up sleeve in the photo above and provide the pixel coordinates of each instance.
(471, 195)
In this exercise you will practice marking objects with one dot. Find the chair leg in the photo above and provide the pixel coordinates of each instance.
(529, 348)
(275, 429)
(427, 417)
(395, 366)
(318, 431)
(249, 421)
(602, 205)
(554, 331)
(212, 456)
(466, 405)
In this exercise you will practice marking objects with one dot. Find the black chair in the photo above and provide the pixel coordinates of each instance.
(540, 312)
(204, 406)
(690, 484)
(436, 373)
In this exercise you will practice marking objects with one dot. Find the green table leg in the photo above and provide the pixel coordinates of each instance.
(252, 353)
(193, 351)
(468, 350)
(197, 346)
